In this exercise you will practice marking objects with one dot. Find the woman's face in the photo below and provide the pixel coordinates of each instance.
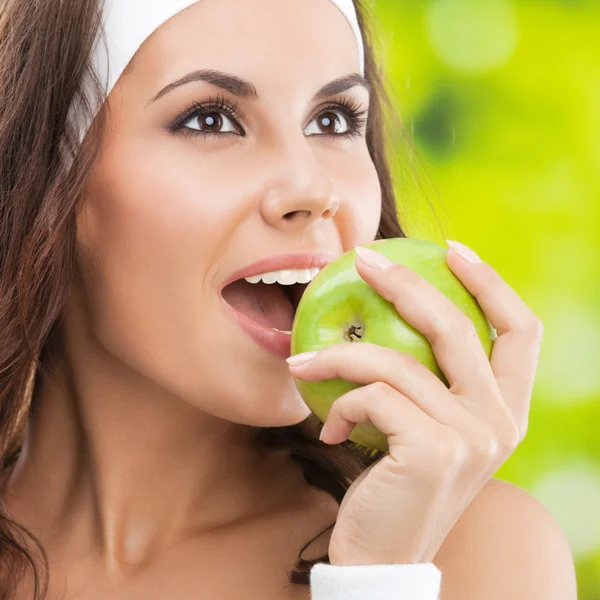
(176, 205)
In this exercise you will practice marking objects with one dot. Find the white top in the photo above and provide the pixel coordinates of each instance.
(420, 581)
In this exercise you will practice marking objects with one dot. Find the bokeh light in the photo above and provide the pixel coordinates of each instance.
(472, 35)
(569, 370)
(558, 488)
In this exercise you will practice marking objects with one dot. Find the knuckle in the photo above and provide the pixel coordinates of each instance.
(374, 391)
(477, 451)
(536, 328)
(459, 327)
(486, 447)
(469, 330)
(378, 391)
(511, 438)
(379, 396)
(400, 278)
(501, 441)
(452, 451)
(379, 388)
(530, 326)
(491, 277)
(509, 434)
(407, 360)
(325, 354)
(405, 275)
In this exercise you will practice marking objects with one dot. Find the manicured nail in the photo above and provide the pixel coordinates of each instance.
(300, 359)
(373, 259)
(464, 252)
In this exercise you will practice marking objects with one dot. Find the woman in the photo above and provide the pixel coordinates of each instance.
(163, 452)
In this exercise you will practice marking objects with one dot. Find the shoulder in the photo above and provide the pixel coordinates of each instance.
(506, 545)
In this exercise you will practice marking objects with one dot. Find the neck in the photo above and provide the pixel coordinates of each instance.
(128, 470)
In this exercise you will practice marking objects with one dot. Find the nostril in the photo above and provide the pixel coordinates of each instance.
(289, 216)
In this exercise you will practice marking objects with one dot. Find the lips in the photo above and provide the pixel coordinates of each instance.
(260, 308)
(305, 260)
(273, 304)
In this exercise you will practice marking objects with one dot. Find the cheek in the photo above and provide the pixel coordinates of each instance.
(147, 234)
(370, 209)
(147, 210)
(359, 221)
(147, 204)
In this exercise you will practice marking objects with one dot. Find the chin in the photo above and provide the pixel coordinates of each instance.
(290, 410)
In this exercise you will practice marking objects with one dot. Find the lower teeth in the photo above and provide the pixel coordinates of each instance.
(280, 331)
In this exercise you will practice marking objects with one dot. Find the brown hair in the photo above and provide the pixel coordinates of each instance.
(45, 49)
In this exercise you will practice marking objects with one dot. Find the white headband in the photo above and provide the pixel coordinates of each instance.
(127, 24)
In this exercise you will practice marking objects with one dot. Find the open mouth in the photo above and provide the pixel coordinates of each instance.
(272, 305)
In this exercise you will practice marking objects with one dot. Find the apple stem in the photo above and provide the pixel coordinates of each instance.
(354, 332)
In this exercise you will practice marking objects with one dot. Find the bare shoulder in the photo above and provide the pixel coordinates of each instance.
(506, 545)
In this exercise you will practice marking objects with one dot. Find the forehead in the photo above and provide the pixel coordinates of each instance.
(282, 38)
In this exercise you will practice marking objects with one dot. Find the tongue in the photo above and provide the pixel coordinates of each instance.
(265, 303)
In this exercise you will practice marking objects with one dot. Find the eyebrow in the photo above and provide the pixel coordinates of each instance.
(244, 89)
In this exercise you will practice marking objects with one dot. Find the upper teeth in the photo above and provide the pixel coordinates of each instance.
(285, 276)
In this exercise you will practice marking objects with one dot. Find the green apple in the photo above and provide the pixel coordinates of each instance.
(339, 307)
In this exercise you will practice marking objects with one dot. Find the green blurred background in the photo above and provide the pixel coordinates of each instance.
(501, 150)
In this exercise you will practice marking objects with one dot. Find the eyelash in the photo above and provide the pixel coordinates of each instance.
(349, 107)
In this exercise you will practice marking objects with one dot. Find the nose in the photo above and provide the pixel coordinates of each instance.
(300, 209)
(301, 196)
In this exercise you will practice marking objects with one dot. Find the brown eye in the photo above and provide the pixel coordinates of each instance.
(211, 122)
(330, 123)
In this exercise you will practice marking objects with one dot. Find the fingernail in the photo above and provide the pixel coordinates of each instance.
(464, 251)
(300, 359)
(373, 259)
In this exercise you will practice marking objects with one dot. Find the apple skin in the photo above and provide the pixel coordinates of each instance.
(338, 300)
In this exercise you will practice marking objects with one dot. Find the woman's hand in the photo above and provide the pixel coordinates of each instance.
(444, 443)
